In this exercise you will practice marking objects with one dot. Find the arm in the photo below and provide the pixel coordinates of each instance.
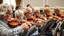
(9, 32)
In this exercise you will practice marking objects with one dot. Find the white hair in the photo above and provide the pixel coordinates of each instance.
(3, 9)
(36, 9)
(46, 8)
(57, 7)
(19, 12)
(26, 9)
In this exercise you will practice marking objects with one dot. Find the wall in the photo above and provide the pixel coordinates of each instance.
(35, 3)
(41, 3)
(54, 3)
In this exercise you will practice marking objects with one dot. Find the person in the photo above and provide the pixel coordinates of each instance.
(57, 12)
(29, 5)
(28, 14)
(5, 30)
(46, 5)
(13, 11)
(20, 16)
(37, 14)
(18, 10)
(47, 13)
(29, 17)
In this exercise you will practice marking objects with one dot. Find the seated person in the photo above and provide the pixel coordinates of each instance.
(29, 17)
(57, 12)
(5, 30)
(47, 13)
(46, 5)
(28, 14)
(37, 13)
(19, 15)
(18, 10)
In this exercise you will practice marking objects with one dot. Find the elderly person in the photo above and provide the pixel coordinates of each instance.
(57, 12)
(37, 13)
(29, 17)
(19, 16)
(13, 11)
(27, 13)
(47, 13)
(29, 5)
(18, 10)
(5, 30)
(46, 5)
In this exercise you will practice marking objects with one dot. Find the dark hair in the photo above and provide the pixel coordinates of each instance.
(17, 7)
(46, 5)
(28, 5)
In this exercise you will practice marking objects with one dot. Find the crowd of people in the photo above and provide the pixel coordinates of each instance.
(30, 22)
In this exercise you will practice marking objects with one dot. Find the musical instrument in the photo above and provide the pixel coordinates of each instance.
(13, 22)
(62, 17)
(49, 24)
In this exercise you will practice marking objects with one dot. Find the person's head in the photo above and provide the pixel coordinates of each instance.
(11, 6)
(19, 15)
(28, 12)
(29, 5)
(46, 6)
(18, 7)
(57, 10)
(36, 11)
(5, 14)
(9, 10)
(47, 11)
(3, 7)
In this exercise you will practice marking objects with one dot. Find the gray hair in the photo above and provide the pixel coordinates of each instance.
(19, 12)
(27, 9)
(3, 8)
(36, 9)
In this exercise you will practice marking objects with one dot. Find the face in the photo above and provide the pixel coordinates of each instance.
(9, 10)
(20, 16)
(37, 13)
(19, 7)
(8, 17)
(28, 12)
(57, 11)
(28, 15)
(47, 12)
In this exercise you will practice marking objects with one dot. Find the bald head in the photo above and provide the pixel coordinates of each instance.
(36, 9)
(28, 10)
(47, 10)
(46, 5)
(57, 10)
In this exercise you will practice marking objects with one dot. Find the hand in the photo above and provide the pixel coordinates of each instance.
(29, 24)
(59, 19)
(39, 23)
(24, 26)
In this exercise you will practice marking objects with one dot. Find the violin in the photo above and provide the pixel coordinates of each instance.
(59, 15)
(48, 16)
(32, 19)
(12, 22)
